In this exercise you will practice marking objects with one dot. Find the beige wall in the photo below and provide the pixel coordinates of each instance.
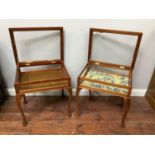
(76, 45)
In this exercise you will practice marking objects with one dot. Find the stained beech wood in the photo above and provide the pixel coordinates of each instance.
(40, 79)
(127, 68)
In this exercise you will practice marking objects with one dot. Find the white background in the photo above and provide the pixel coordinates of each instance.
(77, 145)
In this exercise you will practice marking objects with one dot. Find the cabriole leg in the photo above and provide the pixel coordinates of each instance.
(18, 102)
(24, 97)
(62, 93)
(69, 90)
(90, 95)
(78, 101)
(126, 109)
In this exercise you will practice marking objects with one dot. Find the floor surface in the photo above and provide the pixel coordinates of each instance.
(101, 115)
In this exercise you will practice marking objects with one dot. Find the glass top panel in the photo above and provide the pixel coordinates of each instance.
(37, 45)
(113, 48)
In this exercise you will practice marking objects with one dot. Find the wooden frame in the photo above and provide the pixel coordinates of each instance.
(32, 81)
(127, 68)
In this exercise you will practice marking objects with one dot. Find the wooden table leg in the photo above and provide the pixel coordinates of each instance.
(62, 93)
(78, 102)
(126, 108)
(69, 90)
(90, 95)
(18, 102)
(25, 101)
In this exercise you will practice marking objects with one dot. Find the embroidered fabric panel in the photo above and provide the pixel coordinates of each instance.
(106, 77)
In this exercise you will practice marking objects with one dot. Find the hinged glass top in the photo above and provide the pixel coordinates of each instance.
(114, 46)
(37, 45)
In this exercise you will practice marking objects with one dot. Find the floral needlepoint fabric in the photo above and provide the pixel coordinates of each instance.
(109, 78)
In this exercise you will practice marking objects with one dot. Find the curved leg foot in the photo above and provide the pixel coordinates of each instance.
(69, 90)
(78, 102)
(62, 93)
(126, 107)
(18, 102)
(24, 123)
